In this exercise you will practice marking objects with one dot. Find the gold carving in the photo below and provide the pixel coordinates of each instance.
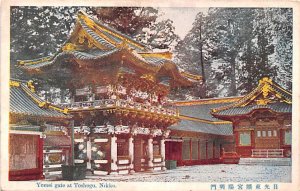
(148, 77)
(265, 90)
(43, 104)
(54, 158)
(31, 86)
(69, 47)
(81, 36)
(262, 101)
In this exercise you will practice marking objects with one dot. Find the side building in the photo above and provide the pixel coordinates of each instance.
(32, 153)
(262, 121)
(199, 137)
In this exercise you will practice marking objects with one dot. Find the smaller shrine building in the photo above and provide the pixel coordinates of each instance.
(262, 121)
(31, 153)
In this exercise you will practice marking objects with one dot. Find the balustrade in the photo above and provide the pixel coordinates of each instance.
(268, 153)
(119, 103)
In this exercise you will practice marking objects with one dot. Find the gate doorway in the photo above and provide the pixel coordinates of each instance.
(137, 154)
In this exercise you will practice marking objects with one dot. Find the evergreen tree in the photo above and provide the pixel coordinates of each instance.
(39, 31)
(141, 23)
(239, 46)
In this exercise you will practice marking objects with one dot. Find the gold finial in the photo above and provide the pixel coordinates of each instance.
(265, 80)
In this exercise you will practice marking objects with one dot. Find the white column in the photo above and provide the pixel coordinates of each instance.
(163, 153)
(150, 153)
(131, 153)
(89, 153)
(114, 155)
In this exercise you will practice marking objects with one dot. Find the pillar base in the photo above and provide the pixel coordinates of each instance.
(113, 173)
(131, 171)
(150, 169)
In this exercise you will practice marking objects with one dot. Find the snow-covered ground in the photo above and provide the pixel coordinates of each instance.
(207, 173)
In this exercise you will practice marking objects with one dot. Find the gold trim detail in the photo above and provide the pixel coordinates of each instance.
(91, 41)
(207, 101)
(32, 62)
(59, 133)
(69, 47)
(204, 120)
(192, 76)
(14, 83)
(167, 55)
(148, 77)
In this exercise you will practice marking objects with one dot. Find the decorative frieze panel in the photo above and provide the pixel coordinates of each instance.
(141, 130)
(82, 129)
(156, 132)
(83, 91)
(166, 133)
(101, 129)
(119, 129)
(98, 129)
(122, 129)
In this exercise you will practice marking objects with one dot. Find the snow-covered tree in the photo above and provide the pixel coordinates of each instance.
(239, 46)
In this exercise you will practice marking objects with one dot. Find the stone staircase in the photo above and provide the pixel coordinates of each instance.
(266, 161)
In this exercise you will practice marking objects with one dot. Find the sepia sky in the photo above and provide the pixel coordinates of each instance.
(183, 17)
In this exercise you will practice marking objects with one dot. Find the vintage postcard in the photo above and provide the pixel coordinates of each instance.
(150, 95)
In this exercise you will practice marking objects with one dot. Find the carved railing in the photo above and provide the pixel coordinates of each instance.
(105, 103)
(267, 153)
(120, 129)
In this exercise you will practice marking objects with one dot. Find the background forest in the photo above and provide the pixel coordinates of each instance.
(231, 47)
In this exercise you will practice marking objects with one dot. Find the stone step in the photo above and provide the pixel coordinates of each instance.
(266, 161)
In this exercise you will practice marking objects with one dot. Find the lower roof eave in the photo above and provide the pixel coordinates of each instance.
(202, 133)
(231, 117)
(41, 117)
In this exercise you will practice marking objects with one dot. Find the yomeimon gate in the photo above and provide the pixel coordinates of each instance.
(262, 121)
(118, 90)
